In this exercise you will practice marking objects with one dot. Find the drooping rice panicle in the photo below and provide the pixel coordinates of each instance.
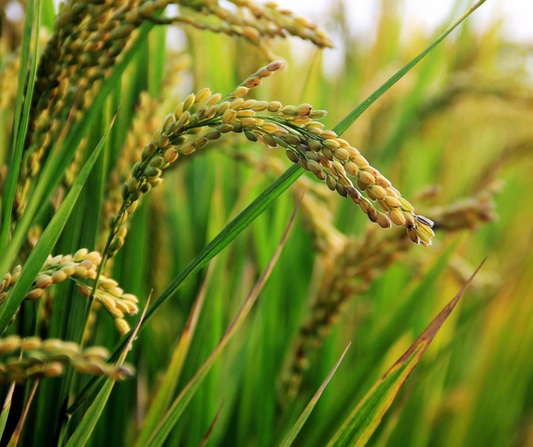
(470, 212)
(253, 21)
(31, 358)
(203, 118)
(142, 128)
(149, 112)
(80, 268)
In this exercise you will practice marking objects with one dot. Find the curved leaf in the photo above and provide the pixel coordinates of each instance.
(365, 418)
(291, 436)
(172, 416)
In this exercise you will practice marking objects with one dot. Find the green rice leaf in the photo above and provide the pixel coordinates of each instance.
(228, 234)
(161, 432)
(6, 408)
(211, 427)
(361, 424)
(83, 431)
(22, 115)
(291, 436)
(169, 382)
(49, 14)
(85, 428)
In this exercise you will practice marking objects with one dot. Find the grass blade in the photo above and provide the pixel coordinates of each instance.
(211, 427)
(170, 419)
(83, 431)
(49, 14)
(291, 436)
(20, 123)
(6, 407)
(48, 240)
(361, 424)
(168, 385)
(230, 232)
(15, 437)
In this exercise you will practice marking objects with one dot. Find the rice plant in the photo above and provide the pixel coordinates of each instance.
(197, 245)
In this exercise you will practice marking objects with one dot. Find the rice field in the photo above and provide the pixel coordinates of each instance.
(210, 237)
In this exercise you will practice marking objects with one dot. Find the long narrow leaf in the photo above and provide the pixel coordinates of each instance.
(365, 418)
(209, 432)
(20, 123)
(48, 240)
(170, 419)
(167, 388)
(230, 232)
(49, 14)
(83, 431)
(15, 437)
(291, 436)
(6, 408)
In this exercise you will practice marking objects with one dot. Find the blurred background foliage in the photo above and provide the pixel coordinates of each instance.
(455, 136)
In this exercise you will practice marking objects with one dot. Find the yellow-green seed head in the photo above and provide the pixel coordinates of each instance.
(189, 101)
(290, 110)
(203, 94)
(274, 106)
(240, 92)
(304, 109)
(229, 116)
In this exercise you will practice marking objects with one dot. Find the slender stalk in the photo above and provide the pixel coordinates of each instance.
(13, 442)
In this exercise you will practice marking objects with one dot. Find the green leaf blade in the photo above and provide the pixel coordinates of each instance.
(291, 436)
(341, 127)
(22, 116)
(172, 416)
(361, 424)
